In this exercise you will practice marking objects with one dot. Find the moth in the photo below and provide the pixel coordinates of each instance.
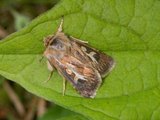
(81, 65)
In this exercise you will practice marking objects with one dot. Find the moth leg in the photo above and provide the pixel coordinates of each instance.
(49, 77)
(51, 68)
(64, 86)
(81, 41)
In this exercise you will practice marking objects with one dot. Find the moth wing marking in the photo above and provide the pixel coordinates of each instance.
(85, 79)
(100, 61)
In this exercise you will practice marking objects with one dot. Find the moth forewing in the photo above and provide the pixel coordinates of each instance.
(80, 64)
(100, 61)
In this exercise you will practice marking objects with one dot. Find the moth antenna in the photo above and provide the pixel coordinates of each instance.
(49, 77)
(61, 26)
(64, 86)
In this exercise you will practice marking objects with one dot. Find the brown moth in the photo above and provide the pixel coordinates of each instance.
(83, 66)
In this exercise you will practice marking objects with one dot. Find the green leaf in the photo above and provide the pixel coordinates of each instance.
(127, 30)
(59, 113)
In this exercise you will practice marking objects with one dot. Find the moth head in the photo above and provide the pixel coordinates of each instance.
(57, 44)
